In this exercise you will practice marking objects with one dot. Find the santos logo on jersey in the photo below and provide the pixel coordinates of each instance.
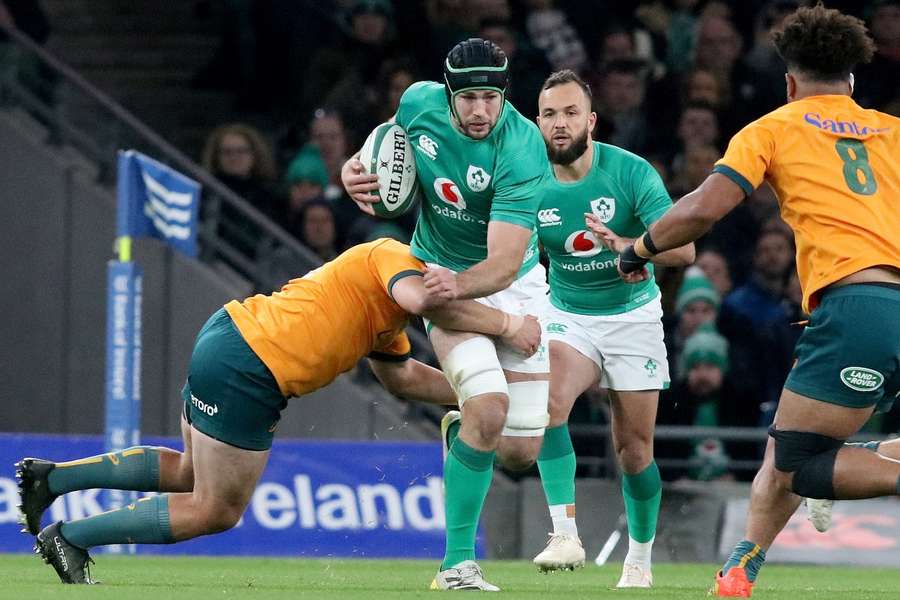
(449, 193)
(583, 244)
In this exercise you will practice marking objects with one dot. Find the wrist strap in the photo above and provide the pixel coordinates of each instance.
(649, 245)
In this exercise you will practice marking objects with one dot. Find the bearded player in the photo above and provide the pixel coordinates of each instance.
(249, 359)
(599, 328)
(835, 168)
(480, 165)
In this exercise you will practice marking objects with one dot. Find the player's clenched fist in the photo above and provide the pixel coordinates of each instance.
(522, 333)
(440, 285)
(360, 185)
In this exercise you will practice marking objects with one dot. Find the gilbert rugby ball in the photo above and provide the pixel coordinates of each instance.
(388, 154)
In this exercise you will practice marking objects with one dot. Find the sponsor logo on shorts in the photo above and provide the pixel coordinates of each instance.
(556, 328)
(428, 146)
(549, 217)
(861, 379)
(209, 409)
(449, 192)
(650, 366)
(604, 208)
(477, 178)
(583, 244)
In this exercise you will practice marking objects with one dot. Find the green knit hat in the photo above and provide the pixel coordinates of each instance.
(307, 166)
(706, 345)
(696, 286)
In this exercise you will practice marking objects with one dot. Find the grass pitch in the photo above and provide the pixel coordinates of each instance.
(25, 577)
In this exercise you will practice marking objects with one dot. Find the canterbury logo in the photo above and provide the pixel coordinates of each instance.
(428, 146)
(556, 328)
(549, 217)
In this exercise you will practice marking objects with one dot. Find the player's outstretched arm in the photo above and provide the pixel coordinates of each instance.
(413, 380)
(677, 257)
(506, 244)
(522, 333)
(691, 217)
(696, 213)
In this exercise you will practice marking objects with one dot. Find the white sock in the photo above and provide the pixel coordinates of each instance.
(639, 552)
(563, 516)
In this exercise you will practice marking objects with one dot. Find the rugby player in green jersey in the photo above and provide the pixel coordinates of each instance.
(480, 166)
(600, 329)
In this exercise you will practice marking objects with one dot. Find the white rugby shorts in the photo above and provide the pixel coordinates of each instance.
(628, 347)
(528, 295)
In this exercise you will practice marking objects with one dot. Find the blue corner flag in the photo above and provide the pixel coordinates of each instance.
(156, 201)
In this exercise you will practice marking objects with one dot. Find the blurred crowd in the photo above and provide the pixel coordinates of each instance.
(673, 80)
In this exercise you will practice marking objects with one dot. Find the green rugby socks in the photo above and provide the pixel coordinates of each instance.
(642, 493)
(143, 522)
(453, 432)
(467, 478)
(134, 468)
(556, 463)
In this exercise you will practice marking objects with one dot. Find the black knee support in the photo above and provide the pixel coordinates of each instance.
(810, 457)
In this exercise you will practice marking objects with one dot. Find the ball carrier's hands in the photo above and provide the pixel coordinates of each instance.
(360, 185)
(440, 285)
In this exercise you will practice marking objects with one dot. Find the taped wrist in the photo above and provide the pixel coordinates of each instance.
(511, 325)
(629, 261)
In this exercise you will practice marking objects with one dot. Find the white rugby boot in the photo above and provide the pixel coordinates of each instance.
(446, 421)
(466, 575)
(818, 512)
(563, 552)
(635, 576)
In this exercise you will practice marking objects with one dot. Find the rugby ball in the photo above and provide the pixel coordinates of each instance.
(388, 154)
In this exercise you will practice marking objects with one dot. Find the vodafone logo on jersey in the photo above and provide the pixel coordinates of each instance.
(449, 193)
(583, 244)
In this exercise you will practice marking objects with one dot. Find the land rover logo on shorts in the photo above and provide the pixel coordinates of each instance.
(477, 179)
(861, 379)
(604, 208)
(556, 328)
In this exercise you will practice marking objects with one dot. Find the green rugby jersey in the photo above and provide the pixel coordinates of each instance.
(466, 183)
(626, 193)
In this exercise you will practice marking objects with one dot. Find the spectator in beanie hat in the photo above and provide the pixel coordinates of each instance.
(306, 177)
(705, 395)
(697, 301)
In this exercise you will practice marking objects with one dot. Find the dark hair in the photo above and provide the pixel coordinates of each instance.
(699, 105)
(263, 162)
(823, 43)
(567, 76)
(628, 66)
